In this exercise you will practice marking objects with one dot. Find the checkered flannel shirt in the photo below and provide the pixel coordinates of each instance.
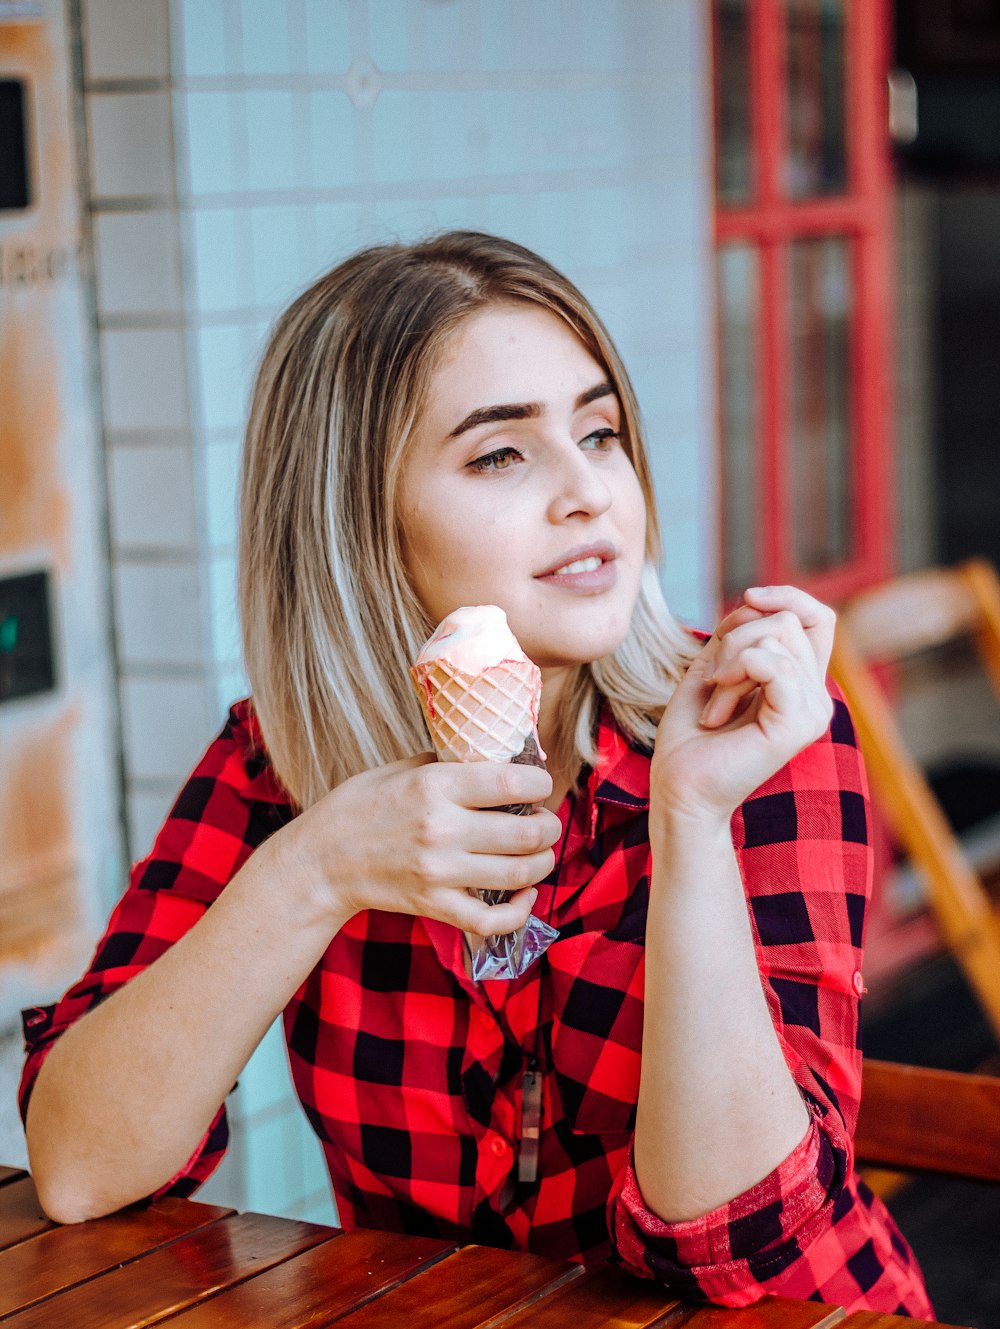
(411, 1074)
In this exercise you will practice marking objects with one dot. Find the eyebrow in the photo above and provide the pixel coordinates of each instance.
(529, 410)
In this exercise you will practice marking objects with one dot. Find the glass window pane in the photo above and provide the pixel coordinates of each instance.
(816, 163)
(732, 102)
(820, 403)
(740, 377)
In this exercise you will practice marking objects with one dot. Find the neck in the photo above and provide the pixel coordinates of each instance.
(554, 682)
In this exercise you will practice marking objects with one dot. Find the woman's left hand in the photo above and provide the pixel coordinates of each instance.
(753, 698)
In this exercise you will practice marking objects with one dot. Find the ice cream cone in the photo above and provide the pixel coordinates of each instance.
(488, 716)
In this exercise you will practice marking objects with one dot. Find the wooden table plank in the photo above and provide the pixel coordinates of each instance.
(467, 1289)
(769, 1313)
(20, 1213)
(596, 1298)
(62, 1256)
(873, 1320)
(10, 1174)
(175, 1276)
(318, 1287)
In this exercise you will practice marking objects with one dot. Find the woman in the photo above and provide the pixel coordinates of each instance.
(434, 426)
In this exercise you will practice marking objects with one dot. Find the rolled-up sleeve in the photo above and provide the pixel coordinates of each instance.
(228, 806)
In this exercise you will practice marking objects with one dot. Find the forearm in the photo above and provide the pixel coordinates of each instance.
(718, 1109)
(127, 1093)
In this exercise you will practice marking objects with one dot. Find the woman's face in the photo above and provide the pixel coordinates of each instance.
(516, 489)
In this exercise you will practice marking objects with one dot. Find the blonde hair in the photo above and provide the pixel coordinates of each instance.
(330, 621)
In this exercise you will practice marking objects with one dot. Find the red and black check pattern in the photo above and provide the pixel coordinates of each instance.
(411, 1074)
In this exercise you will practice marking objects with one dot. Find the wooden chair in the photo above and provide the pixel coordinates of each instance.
(888, 624)
(920, 1120)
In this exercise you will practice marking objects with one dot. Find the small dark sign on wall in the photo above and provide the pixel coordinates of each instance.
(15, 177)
(26, 663)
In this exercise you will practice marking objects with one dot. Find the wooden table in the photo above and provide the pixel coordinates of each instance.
(198, 1266)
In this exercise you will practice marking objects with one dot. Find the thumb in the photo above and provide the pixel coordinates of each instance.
(692, 692)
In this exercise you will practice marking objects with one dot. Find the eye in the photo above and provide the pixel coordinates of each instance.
(601, 440)
(502, 459)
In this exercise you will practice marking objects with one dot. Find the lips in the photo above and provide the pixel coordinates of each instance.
(585, 568)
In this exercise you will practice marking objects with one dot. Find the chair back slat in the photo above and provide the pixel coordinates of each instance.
(912, 613)
(885, 624)
(929, 1120)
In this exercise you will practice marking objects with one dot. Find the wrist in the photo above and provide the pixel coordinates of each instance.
(308, 889)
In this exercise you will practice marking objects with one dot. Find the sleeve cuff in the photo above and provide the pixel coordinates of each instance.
(729, 1254)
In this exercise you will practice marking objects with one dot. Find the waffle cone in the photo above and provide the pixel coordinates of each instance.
(487, 716)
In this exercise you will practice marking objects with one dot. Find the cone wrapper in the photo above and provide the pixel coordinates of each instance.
(490, 714)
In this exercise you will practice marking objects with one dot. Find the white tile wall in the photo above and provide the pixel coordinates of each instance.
(138, 263)
(226, 647)
(167, 724)
(152, 497)
(327, 36)
(220, 266)
(126, 39)
(130, 144)
(266, 40)
(157, 609)
(209, 34)
(147, 805)
(209, 147)
(222, 468)
(226, 358)
(144, 379)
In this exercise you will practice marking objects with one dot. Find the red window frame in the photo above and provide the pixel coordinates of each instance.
(769, 222)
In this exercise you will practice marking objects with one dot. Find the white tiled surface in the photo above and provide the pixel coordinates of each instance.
(167, 724)
(130, 144)
(209, 144)
(152, 497)
(144, 379)
(221, 268)
(126, 39)
(222, 467)
(157, 608)
(138, 263)
(225, 623)
(306, 129)
(147, 806)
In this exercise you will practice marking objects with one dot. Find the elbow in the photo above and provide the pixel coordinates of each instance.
(64, 1202)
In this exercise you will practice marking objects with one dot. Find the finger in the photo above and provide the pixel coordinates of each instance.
(743, 613)
(490, 784)
(725, 703)
(487, 832)
(474, 915)
(499, 872)
(818, 619)
(771, 667)
(782, 626)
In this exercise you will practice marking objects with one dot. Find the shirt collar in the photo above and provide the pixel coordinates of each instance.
(621, 776)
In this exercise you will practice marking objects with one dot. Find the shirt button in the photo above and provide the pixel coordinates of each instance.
(498, 1146)
(859, 983)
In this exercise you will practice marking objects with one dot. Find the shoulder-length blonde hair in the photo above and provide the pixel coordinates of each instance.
(330, 621)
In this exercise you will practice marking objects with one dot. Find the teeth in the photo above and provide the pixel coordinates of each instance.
(581, 565)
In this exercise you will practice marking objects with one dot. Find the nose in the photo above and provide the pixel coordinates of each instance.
(578, 489)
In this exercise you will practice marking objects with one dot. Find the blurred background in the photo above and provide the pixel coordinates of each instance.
(787, 212)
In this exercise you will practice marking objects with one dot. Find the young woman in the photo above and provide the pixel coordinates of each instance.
(434, 426)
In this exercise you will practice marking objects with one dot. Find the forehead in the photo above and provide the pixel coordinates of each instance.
(523, 352)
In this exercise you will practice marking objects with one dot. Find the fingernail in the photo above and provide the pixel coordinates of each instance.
(533, 896)
(758, 590)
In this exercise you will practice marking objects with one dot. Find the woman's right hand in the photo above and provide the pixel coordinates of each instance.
(416, 836)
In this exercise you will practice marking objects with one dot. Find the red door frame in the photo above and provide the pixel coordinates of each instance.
(863, 215)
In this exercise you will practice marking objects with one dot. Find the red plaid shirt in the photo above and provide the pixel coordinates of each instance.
(411, 1074)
